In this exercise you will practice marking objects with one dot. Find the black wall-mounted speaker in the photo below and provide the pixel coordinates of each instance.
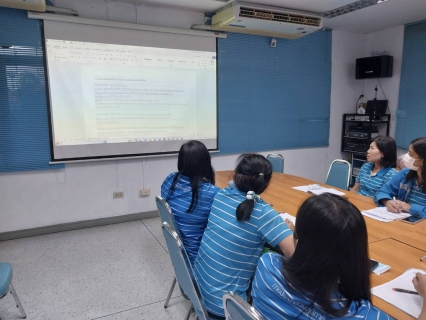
(374, 67)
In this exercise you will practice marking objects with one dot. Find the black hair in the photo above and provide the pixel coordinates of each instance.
(331, 254)
(194, 161)
(419, 146)
(387, 146)
(252, 173)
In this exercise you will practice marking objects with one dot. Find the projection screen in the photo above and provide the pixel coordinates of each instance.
(120, 92)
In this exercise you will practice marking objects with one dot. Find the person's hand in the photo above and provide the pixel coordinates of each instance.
(392, 206)
(289, 224)
(404, 206)
(419, 282)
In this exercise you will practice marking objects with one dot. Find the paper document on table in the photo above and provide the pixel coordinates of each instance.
(285, 215)
(409, 303)
(317, 189)
(382, 214)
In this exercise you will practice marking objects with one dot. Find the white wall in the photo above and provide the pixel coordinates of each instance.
(391, 40)
(345, 89)
(84, 191)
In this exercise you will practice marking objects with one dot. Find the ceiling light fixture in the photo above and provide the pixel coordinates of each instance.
(349, 8)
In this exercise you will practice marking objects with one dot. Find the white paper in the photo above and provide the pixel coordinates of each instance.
(317, 189)
(409, 303)
(382, 214)
(285, 215)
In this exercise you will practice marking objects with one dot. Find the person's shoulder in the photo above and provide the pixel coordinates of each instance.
(209, 187)
(224, 194)
(170, 177)
(367, 166)
(391, 172)
(402, 173)
(366, 310)
(270, 260)
(263, 209)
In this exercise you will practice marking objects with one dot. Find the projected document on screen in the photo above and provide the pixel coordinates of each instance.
(118, 100)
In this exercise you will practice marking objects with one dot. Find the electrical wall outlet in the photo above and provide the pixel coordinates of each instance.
(145, 192)
(119, 194)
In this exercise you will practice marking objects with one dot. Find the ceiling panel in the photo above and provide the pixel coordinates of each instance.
(213, 5)
(374, 18)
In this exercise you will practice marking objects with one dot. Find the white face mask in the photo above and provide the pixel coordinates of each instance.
(409, 162)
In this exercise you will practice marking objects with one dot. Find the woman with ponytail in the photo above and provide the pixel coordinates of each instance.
(190, 192)
(240, 223)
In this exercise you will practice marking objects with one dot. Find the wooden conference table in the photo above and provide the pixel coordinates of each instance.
(397, 244)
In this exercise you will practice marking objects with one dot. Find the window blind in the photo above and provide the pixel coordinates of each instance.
(411, 113)
(273, 98)
(24, 132)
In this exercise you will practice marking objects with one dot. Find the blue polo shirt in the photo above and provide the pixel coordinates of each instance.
(416, 195)
(370, 184)
(230, 248)
(275, 299)
(407, 191)
(191, 224)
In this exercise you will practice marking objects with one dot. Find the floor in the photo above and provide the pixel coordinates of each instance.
(120, 271)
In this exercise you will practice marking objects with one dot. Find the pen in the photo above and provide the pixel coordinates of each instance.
(421, 259)
(405, 291)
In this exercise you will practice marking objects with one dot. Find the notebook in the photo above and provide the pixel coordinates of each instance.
(317, 189)
(285, 215)
(382, 214)
(409, 303)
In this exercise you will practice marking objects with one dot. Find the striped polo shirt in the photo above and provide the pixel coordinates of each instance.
(416, 195)
(368, 183)
(191, 224)
(275, 299)
(230, 248)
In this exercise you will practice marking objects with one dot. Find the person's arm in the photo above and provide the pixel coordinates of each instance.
(355, 187)
(389, 190)
(274, 231)
(419, 282)
(287, 246)
(416, 210)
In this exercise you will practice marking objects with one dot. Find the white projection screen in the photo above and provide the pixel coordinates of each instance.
(121, 92)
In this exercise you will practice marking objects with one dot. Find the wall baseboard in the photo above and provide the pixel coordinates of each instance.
(77, 225)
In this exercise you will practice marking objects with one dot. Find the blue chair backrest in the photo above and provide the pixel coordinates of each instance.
(277, 162)
(236, 308)
(6, 274)
(183, 270)
(339, 174)
(166, 214)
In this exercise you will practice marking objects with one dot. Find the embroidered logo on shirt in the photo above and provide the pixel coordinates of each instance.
(404, 187)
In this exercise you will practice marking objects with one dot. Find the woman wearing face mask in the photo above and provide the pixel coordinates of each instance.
(407, 189)
(379, 168)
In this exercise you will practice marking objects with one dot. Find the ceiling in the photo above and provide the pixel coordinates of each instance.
(374, 18)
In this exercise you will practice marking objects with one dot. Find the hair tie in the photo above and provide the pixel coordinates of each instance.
(251, 195)
(261, 174)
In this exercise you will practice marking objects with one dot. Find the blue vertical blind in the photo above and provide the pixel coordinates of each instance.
(411, 113)
(24, 130)
(273, 98)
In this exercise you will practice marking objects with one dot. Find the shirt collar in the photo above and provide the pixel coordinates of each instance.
(379, 173)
